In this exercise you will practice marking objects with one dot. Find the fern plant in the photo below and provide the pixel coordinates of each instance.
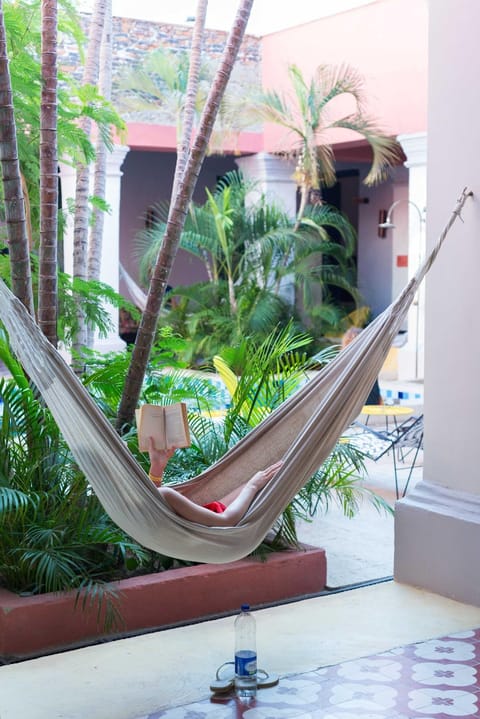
(54, 534)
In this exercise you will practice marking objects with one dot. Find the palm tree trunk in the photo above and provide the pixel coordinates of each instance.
(99, 181)
(176, 221)
(47, 284)
(231, 295)
(183, 147)
(82, 188)
(12, 184)
(304, 190)
(100, 172)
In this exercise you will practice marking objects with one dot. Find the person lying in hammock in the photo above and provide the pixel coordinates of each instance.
(226, 512)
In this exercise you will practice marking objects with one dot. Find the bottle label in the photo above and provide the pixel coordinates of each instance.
(245, 663)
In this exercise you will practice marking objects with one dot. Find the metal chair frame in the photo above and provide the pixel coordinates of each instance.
(375, 444)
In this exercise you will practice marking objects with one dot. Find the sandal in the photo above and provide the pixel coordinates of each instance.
(223, 685)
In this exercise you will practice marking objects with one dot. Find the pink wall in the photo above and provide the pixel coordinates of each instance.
(147, 180)
(145, 136)
(390, 52)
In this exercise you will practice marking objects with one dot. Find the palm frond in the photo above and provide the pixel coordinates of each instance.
(105, 599)
(386, 151)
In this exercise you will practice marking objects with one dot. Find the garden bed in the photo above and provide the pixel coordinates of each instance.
(35, 625)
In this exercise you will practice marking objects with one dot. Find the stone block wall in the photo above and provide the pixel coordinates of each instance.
(133, 39)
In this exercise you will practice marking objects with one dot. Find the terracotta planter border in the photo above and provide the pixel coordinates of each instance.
(36, 625)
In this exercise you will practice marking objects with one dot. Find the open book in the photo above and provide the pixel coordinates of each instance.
(168, 425)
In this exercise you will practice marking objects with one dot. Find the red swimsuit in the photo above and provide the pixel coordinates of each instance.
(217, 507)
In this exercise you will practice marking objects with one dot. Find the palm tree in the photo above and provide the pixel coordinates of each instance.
(194, 73)
(22, 21)
(82, 187)
(12, 183)
(47, 285)
(160, 84)
(99, 176)
(243, 247)
(174, 86)
(180, 204)
(306, 114)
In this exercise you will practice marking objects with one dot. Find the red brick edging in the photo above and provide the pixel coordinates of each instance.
(49, 622)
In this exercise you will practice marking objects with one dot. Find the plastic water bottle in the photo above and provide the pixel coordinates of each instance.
(245, 654)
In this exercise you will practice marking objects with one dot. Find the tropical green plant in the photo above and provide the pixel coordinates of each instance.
(249, 251)
(22, 24)
(94, 295)
(54, 534)
(159, 86)
(159, 83)
(32, 124)
(306, 112)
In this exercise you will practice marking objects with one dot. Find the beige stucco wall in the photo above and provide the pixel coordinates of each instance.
(437, 526)
(452, 387)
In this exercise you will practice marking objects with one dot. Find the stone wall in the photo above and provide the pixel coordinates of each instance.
(134, 39)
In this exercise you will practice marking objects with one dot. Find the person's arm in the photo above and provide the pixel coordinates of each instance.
(158, 461)
(234, 512)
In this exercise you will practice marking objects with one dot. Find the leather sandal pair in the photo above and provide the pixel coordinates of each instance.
(225, 681)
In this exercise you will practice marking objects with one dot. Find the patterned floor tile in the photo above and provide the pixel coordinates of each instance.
(436, 679)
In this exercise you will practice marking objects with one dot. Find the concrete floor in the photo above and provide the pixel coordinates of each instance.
(360, 549)
(134, 677)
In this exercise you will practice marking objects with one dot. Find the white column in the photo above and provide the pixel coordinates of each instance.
(411, 355)
(109, 269)
(273, 178)
(437, 525)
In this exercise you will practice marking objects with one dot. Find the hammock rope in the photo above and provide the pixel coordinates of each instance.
(303, 431)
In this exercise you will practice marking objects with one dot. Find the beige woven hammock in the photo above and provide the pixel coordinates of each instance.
(302, 431)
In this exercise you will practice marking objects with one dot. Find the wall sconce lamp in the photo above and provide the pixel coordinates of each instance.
(385, 217)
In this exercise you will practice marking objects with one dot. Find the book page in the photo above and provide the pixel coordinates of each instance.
(176, 423)
(168, 425)
(151, 423)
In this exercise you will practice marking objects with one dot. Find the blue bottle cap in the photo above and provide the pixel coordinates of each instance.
(245, 607)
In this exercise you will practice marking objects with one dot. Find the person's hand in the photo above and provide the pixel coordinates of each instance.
(260, 479)
(158, 458)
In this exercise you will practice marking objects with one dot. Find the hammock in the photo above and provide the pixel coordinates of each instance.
(303, 431)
